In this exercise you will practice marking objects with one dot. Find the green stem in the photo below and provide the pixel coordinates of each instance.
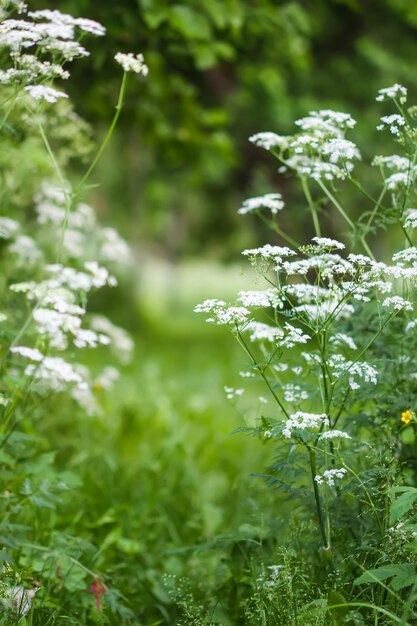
(68, 195)
(311, 205)
(336, 204)
(109, 133)
(313, 468)
(262, 373)
(278, 230)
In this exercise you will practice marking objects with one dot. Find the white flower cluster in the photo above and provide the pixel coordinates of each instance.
(356, 370)
(391, 93)
(223, 314)
(83, 237)
(398, 303)
(334, 434)
(300, 421)
(268, 140)
(329, 476)
(53, 373)
(403, 174)
(268, 253)
(320, 150)
(271, 201)
(121, 342)
(410, 220)
(8, 227)
(294, 393)
(342, 339)
(28, 70)
(325, 243)
(258, 331)
(50, 32)
(293, 336)
(232, 393)
(266, 298)
(394, 122)
(132, 63)
(41, 92)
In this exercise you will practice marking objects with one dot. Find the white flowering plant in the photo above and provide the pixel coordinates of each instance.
(332, 340)
(54, 254)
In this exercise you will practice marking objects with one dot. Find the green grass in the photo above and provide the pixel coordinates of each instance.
(166, 488)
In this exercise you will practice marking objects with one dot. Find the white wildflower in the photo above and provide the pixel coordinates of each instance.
(329, 476)
(341, 150)
(410, 326)
(328, 244)
(304, 421)
(245, 374)
(86, 400)
(208, 306)
(232, 393)
(28, 353)
(398, 303)
(95, 277)
(410, 220)
(394, 122)
(41, 92)
(293, 336)
(268, 140)
(271, 201)
(26, 250)
(55, 374)
(327, 120)
(223, 314)
(107, 378)
(266, 298)
(121, 342)
(86, 338)
(392, 162)
(113, 248)
(263, 332)
(355, 369)
(132, 63)
(390, 93)
(341, 338)
(334, 434)
(8, 227)
(395, 181)
(294, 393)
(280, 367)
(269, 252)
(56, 17)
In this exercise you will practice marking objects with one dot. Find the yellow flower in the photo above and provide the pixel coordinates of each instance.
(406, 416)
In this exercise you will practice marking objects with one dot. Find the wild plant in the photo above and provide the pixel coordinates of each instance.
(332, 338)
(54, 255)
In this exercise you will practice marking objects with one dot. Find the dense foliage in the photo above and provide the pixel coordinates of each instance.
(123, 498)
(223, 70)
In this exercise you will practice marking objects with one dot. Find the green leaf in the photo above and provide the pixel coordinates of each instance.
(338, 613)
(402, 574)
(190, 23)
(403, 504)
(218, 12)
(204, 55)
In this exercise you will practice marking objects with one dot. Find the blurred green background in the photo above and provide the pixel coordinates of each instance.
(221, 70)
(171, 181)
